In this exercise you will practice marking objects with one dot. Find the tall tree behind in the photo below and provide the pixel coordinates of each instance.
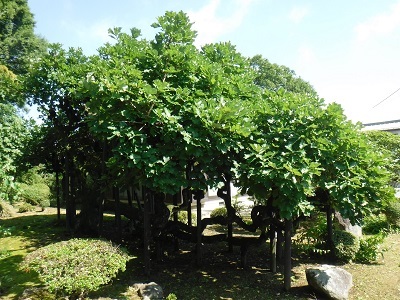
(18, 42)
(388, 143)
(273, 77)
(19, 46)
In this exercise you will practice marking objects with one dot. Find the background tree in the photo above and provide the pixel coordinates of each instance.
(389, 144)
(19, 46)
(54, 84)
(273, 77)
(14, 131)
(166, 115)
(165, 104)
(18, 43)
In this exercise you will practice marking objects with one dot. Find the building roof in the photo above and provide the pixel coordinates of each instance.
(392, 126)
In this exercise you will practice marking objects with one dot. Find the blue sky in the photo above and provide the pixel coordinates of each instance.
(348, 50)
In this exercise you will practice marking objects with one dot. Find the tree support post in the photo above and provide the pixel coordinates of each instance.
(329, 224)
(228, 203)
(147, 231)
(175, 216)
(273, 241)
(118, 224)
(58, 195)
(288, 255)
(198, 196)
(279, 247)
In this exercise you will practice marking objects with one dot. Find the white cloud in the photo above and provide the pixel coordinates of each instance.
(99, 31)
(89, 37)
(210, 26)
(381, 24)
(297, 14)
(306, 55)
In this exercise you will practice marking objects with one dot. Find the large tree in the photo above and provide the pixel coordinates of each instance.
(19, 45)
(168, 106)
(167, 115)
(14, 131)
(274, 77)
(388, 143)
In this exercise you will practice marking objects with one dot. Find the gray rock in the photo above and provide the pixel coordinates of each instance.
(149, 291)
(347, 226)
(35, 293)
(331, 281)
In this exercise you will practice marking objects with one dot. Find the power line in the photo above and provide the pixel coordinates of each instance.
(387, 97)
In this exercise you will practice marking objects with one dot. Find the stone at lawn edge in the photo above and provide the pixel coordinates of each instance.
(330, 280)
(35, 293)
(149, 291)
(346, 225)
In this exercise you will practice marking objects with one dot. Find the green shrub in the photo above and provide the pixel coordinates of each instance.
(346, 245)
(370, 248)
(5, 209)
(219, 211)
(5, 231)
(36, 174)
(25, 207)
(312, 236)
(182, 216)
(5, 283)
(392, 212)
(374, 224)
(171, 296)
(36, 194)
(9, 190)
(77, 266)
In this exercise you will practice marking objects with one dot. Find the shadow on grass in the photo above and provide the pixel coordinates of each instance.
(14, 280)
(27, 233)
(219, 277)
(38, 230)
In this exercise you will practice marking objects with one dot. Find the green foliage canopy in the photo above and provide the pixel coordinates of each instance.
(169, 107)
(301, 145)
(18, 43)
(14, 131)
(168, 115)
(77, 266)
(274, 77)
(389, 144)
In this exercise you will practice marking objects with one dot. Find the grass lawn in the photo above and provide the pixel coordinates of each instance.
(220, 276)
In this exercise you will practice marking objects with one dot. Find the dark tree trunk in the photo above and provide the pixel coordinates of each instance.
(279, 247)
(188, 192)
(329, 222)
(69, 197)
(118, 224)
(198, 196)
(58, 195)
(103, 193)
(189, 208)
(230, 211)
(147, 231)
(272, 235)
(272, 244)
(128, 192)
(288, 255)
(175, 218)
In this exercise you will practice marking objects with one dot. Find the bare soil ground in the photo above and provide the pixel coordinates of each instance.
(219, 277)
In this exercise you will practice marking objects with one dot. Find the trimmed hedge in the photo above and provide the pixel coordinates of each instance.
(36, 194)
(392, 212)
(219, 211)
(346, 245)
(77, 266)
